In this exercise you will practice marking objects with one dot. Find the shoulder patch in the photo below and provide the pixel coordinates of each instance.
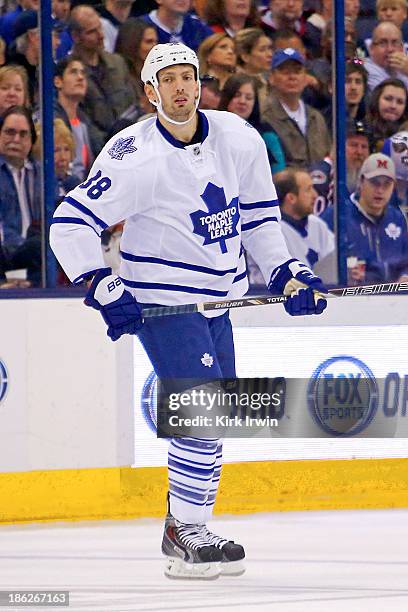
(121, 146)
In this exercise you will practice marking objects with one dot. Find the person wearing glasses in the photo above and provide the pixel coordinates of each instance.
(19, 194)
(387, 58)
(386, 10)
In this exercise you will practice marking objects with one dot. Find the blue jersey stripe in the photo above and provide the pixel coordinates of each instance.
(254, 205)
(70, 220)
(240, 276)
(74, 220)
(176, 264)
(168, 287)
(253, 224)
(87, 211)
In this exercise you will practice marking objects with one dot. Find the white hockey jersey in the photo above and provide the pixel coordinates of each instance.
(187, 208)
(308, 240)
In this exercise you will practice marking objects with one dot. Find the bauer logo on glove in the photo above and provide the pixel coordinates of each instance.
(118, 307)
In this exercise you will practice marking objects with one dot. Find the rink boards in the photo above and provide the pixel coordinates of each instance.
(74, 410)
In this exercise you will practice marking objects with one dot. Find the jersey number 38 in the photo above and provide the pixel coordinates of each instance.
(96, 185)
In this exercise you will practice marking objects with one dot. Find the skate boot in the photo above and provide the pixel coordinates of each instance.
(187, 552)
(232, 562)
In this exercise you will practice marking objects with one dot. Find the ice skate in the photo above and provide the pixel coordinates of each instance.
(187, 552)
(232, 562)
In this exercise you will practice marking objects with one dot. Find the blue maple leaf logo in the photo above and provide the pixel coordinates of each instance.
(121, 146)
(220, 223)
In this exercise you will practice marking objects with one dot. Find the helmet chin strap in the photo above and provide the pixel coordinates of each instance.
(160, 110)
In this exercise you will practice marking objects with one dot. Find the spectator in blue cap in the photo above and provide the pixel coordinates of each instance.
(8, 20)
(301, 128)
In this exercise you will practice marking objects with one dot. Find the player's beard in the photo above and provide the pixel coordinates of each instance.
(180, 114)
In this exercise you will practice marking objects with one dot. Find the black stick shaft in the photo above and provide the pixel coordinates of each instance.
(381, 289)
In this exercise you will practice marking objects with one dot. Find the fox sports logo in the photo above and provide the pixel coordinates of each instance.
(3, 380)
(343, 396)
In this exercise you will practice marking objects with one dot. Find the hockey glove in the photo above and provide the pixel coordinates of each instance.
(118, 307)
(304, 289)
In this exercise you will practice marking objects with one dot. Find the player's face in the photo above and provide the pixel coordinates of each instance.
(306, 194)
(242, 103)
(391, 104)
(392, 11)
(178, 90)
(290, 78)
(223, 54)
(259, 60)
(357, 150)
(73, 84)
(15, 138)
(149, 40)
(354, 88)
(62, 157)
(375, 193)
(11, 91)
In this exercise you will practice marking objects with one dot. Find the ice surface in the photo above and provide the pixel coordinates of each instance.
(338, 561)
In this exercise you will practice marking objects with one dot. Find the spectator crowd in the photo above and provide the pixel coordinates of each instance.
(268, 61)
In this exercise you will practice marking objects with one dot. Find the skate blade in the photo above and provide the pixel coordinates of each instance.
(179, 569)
(233, 568)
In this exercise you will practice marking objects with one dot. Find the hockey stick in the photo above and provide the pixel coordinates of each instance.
(161, 311)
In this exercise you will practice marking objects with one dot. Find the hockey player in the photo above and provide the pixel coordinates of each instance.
(308, 238)
(194, 188)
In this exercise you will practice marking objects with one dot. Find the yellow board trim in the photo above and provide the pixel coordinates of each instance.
(124, 493)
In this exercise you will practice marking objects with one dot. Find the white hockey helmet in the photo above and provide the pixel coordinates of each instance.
(165, 55)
